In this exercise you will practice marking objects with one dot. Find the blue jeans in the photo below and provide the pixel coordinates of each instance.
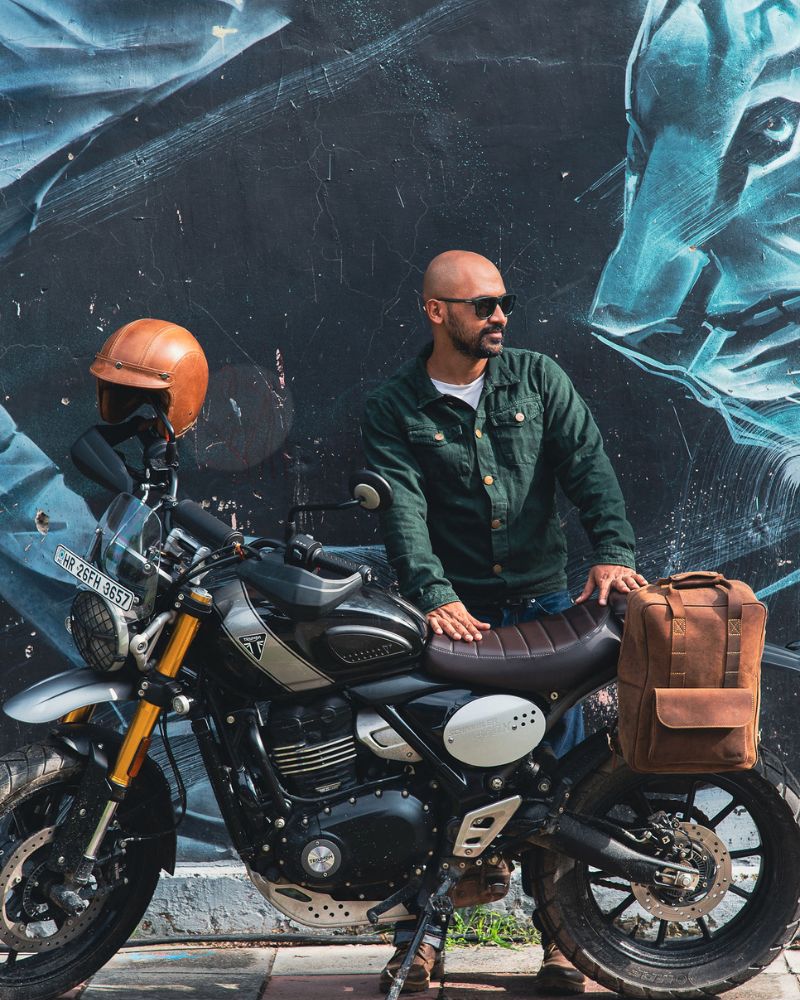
(567, 733)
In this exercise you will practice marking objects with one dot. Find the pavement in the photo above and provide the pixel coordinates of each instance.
(314, 972)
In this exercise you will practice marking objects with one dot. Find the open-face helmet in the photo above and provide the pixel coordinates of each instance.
(151, 361)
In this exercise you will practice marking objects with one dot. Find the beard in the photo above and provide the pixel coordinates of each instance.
(474, 345)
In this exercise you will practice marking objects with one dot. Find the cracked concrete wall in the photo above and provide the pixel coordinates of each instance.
(275, 177)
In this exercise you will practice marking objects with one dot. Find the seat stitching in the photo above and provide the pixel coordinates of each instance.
(547, 636)
(522, 636)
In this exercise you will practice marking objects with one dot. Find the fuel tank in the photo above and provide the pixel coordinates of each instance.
(251, 646)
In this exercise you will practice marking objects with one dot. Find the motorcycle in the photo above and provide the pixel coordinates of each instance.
(362, 767)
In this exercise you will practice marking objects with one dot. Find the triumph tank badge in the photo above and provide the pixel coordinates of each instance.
(254, 644)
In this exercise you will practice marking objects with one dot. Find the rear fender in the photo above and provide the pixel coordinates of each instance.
(147, 808)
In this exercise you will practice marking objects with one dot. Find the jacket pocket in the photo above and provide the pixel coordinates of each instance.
(517, 430)
(440, 451)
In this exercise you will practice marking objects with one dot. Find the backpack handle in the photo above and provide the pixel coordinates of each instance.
(698, 578)
(682, 581)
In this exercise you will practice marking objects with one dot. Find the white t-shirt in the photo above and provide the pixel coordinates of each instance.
(470, 393)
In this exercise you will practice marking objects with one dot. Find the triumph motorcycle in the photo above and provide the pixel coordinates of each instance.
(362, 767)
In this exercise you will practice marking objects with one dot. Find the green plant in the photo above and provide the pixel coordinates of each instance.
(483, 925)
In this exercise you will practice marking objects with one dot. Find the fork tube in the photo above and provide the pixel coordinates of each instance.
(137, 739)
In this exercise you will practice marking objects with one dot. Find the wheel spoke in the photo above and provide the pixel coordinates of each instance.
(640, 804)
(10, 958)
(739, 892)
(723, 814)
(22, 827)
(662, 932)
(701, 923)
(747, 852)
(623, 906)
(606, 884)
(687, 809)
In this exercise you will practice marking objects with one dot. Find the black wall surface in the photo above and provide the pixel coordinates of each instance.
(282, 202)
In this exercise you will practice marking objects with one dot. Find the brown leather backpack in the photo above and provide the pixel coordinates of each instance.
(689, 675)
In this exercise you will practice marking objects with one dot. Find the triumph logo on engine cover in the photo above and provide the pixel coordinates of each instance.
(254, 644)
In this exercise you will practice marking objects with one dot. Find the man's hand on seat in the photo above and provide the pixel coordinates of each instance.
(605, 578)
(455, 621)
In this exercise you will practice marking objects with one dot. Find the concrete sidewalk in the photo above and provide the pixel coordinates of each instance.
(324, 972)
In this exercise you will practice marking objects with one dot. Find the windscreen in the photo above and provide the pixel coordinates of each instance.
(131, 549)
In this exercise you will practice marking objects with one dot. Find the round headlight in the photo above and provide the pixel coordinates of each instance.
(100, 631)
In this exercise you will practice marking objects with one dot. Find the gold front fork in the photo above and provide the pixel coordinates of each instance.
(79, 714)
(134, 748)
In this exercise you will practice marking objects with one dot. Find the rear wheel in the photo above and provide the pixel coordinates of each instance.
(46, 951)
(665, 942)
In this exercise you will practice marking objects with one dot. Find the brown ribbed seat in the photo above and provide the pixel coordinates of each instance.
(553, 653)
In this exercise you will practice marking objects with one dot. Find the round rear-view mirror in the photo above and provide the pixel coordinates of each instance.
(371, 490)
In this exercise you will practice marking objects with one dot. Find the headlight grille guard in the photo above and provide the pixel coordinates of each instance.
(100, 632)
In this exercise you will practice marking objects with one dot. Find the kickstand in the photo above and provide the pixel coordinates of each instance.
(437, 910)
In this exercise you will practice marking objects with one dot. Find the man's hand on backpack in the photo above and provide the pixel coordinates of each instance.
(605, 578)
(456, 622)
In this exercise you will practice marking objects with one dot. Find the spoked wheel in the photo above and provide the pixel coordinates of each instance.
(45, 951)
(739, 830)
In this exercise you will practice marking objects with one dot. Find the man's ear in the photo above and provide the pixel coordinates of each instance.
(434, 309)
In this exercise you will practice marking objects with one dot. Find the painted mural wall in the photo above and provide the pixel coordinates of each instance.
(275, 177)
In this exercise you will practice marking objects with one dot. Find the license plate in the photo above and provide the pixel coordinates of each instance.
(93, 578)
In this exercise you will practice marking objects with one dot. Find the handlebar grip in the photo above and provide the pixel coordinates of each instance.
(209, 529)
(336, 564)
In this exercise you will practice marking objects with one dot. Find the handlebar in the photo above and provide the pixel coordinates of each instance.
(205, 526)
(335, 563)
(305, 551)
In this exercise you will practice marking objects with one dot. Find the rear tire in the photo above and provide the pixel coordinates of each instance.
(36, 786)
(699, 957)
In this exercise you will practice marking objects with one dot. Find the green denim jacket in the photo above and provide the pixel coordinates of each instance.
(474, 515)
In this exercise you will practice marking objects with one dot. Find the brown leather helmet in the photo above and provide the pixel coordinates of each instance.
(151, 356)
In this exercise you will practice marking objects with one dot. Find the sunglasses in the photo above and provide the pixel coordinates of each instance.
(485, 305)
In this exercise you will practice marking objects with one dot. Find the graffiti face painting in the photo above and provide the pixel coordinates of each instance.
(704, 284)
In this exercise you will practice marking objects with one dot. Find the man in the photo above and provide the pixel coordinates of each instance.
(473, 439)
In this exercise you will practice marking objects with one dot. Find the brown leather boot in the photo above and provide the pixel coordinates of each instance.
(558, 975)
(428, 964)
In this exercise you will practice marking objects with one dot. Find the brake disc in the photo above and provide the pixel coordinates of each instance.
(712, 859)
(38, 925)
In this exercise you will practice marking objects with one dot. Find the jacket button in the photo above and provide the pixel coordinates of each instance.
(497, 568)
(488, 480)
(519, 417)
(496, 522)
(438, 436)
(478, 432)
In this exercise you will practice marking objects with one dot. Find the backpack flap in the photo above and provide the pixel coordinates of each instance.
(703, 727)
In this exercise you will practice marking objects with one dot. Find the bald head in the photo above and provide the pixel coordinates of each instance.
(461, 274)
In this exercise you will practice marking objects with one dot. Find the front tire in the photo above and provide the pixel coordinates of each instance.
(37, 786)
(642, 943)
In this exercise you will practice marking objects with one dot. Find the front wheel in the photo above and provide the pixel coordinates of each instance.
(654, 942)
(43, 951)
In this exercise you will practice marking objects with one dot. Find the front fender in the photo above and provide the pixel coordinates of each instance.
(53, 697)
(148, 805)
